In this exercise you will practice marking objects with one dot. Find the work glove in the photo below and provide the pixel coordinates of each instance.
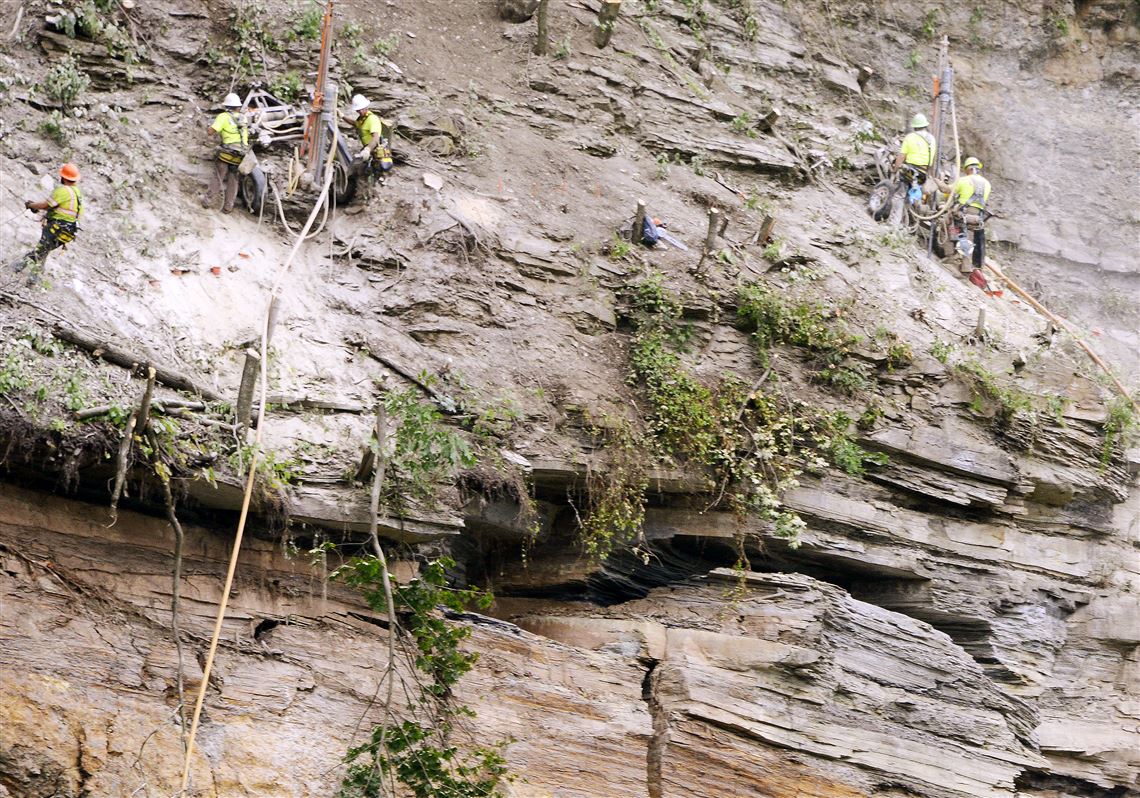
(365, 154)
(28, 204)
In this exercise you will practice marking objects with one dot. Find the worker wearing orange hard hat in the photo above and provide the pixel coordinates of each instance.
(64, 206)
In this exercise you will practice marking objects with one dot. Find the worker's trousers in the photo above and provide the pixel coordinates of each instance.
(225, 178)
(979, 247)
(38, 256)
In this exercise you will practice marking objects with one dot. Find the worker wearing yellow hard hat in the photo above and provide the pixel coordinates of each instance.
(971, 196)
(63, 207)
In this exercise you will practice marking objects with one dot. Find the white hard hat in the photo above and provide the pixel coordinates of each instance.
(231, 101)
(360, 102)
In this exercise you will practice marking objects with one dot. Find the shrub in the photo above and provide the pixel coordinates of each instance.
(65, 82)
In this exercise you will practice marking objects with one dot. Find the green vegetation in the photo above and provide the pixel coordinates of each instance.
(619, 247)
(415, 747)
(615, 510)
(1119, 427)
(899, 355)
(56, 128)
(986, 388)
(422, 453)
(930, 24)
(562, 50)
(387, 46)
(941, 351)
(774, 320)
(306, 25)
(744, 124)
(754, 444)
(251, 29)
(98, 21)
(774, 251)
(65, 82)
(288, 87)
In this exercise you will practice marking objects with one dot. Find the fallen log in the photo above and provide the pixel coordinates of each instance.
(130, 360)
(161, 405)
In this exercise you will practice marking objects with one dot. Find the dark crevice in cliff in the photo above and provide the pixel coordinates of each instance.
(659, 739)
(1051, 784)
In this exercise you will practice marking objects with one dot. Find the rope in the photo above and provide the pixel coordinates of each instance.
(248, 494)
(1017, 289)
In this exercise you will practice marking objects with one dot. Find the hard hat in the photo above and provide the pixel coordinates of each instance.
(360, 102)
(69, 171)
(972, 162)
(231, 101)
(919, 121)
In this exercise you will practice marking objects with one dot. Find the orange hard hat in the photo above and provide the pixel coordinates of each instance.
(69, 171)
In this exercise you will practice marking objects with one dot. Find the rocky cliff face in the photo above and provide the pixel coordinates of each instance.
(960, 619)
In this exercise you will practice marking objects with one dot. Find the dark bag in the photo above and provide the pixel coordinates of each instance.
(649, 233)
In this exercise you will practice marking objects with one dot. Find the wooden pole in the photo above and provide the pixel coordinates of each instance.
(243, 410)
(1062, 324)
(638, 223)
(980, 328)
(542, 44)
(607, 19)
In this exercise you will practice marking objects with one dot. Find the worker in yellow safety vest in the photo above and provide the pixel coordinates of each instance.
(918, 148)
(971, 195)
(233, 142)
(375, 152)
(64, 206)
(916, 155)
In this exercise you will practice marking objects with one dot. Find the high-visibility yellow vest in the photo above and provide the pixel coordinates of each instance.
(918, 148)
(973, 191)
(369, 128)
(231, 133)
(66, 204)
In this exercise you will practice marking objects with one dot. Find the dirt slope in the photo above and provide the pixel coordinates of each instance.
(957, 622)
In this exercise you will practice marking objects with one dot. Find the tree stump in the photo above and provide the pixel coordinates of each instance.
(516, 10)
(542, 44)
(607, 19)
(638, 223)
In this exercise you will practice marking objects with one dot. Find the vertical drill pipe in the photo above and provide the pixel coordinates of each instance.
(310, 147)
(944, 94)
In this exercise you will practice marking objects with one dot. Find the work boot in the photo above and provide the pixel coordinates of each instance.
(230, 209)
(19, 265)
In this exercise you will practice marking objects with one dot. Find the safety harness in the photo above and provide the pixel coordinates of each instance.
(63, 222)
(234, 152)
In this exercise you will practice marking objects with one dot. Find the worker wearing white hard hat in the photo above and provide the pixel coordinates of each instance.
(233, 141)
(375, 152)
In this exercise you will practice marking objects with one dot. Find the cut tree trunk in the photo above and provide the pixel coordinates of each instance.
(607, 19)
(130, 360)
(542, 44)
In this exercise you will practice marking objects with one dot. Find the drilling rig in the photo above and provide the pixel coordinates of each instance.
(312, 130)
